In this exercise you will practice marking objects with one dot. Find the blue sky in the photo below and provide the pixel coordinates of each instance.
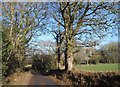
(103, 41)
(108, 39)
(51, 38)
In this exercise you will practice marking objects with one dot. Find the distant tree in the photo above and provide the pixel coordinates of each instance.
(110, 52)
(97, 56)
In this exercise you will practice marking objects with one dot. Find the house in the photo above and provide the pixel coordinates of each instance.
(84, 55)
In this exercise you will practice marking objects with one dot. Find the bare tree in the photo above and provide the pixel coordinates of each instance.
(87, 20)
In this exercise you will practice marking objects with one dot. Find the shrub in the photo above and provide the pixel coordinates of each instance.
(91, 79)
(42, 63)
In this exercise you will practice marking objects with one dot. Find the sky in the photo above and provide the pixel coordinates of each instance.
(104, 41)
(58, 0)
(51, 38)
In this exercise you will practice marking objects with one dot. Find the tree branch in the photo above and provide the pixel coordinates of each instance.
(81, 18)
(58, 21)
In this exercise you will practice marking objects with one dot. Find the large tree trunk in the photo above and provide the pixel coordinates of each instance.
(69, 56)
(59, 42)
(69, 36)
(70, 61)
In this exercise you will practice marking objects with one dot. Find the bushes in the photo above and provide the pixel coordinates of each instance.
(12, 55)
(91, 79)
(42, 63)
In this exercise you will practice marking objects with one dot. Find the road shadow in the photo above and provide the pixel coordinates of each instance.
(49, 72)
(54, 72)
(40, 79)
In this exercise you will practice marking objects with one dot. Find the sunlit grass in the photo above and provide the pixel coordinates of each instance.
(99, 67)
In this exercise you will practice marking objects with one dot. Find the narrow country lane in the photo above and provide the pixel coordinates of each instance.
(29, 79)
(38, 79)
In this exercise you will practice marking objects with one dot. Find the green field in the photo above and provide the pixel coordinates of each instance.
(99, 67)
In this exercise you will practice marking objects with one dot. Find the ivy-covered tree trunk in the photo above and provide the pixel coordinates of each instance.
(69, 55)
(69, 46)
